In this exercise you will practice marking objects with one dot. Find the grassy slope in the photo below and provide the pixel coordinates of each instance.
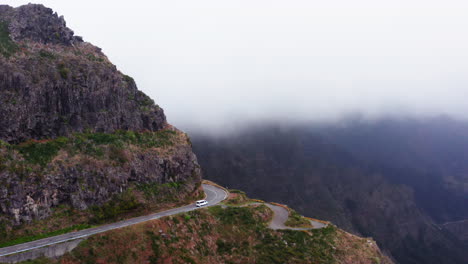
(31, 159)
(7, 46)
(217, 235)
(36, 154)
(221, 235)
(297, 220)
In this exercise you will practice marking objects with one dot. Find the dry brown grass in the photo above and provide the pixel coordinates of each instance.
(281, 205)
(318, 220)
(257, 201)
(215, 184)
(352, 249)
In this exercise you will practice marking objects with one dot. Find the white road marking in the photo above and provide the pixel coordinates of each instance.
(125, 223)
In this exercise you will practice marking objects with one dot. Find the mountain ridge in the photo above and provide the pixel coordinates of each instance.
(79, 143)
(305, 166)
(54, 84)
(80, 146)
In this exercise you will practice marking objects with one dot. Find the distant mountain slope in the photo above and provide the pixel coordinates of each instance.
(459, 229)
(303, 167)
(429, 155)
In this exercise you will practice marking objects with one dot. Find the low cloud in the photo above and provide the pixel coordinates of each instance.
(215, 64)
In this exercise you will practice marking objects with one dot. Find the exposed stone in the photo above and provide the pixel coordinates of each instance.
(37, 23)
(50, 88)
(53, 85)
(82, 182)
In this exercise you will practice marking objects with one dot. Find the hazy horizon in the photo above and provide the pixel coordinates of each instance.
(214, 64)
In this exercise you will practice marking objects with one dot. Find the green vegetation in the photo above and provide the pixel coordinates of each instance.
(144, 139)
(237, 191)
(128, 79)
(41, 153)
(25, 239)
(214, 235)
(187, 217)
(297, 220)
(47, 55)
(233, 215)
(237, 197)
(63, 71)
(3, 144)
(273, 248)
(121, 204)
(145, 100)
(155, 189)
(3, 158)
(31, 161)
(7, 46)
(218, 235)
(91, 57)
(65, 219)
(298, 245)
(97, 145)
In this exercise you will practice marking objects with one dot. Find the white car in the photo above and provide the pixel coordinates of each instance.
(201, 203)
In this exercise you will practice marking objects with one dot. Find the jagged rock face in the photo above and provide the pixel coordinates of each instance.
(57, 93)
(95, 97)
(37, 23)
(49, 90)
(81, 181)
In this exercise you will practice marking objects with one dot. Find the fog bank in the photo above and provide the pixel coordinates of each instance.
(214, 64)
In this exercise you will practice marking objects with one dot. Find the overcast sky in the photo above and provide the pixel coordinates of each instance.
(209, 62)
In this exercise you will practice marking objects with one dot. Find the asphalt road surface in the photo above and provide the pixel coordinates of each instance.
(281, 215)
(214, 195)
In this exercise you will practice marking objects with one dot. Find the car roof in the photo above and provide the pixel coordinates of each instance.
(201, 201)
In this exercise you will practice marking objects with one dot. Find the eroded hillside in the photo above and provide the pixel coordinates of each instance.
(80, 146)
(220, 234)
(301, 167)
(54, 84)
(79, 143)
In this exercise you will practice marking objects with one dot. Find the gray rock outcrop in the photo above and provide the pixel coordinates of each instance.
(52, 84)
(52, 89)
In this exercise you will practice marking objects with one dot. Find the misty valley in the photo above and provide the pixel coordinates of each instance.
(260, 131)
(400, 181)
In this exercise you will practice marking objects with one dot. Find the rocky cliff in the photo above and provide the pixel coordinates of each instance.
(86, 170)
(81, 145)
(52, 83)
(76, 135)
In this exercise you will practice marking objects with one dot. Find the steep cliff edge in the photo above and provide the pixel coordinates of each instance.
(53, 84)
(299, 167)
(236, 232)
(79, 143)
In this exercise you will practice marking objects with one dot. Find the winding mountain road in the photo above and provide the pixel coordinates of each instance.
(214, 195)
(280, 216)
